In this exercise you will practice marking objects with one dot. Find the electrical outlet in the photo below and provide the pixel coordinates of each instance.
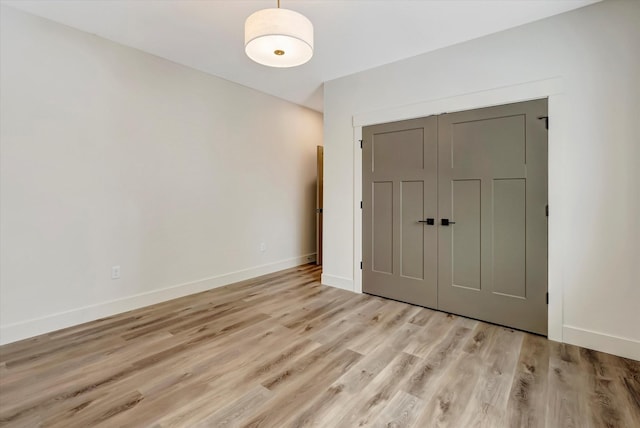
(263, 247)
(115, 272)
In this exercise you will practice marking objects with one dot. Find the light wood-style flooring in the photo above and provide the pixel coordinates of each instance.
(285, 351)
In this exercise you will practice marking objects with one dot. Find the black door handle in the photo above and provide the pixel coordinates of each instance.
(446, 222)
(429, 221)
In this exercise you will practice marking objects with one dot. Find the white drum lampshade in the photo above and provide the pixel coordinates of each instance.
(278, 38)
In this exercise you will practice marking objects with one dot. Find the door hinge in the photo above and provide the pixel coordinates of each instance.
(546, 210)
(360, 204)
(360, 265)
(546, 121)
(547, 298)
(360, 143)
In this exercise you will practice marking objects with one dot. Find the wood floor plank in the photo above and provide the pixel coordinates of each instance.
(243, 408)
(283, 350)
(435, 329)
(402, 411)
(605, 407)
(449, 397)
(565, 407)
(322, 409)
(300, 391)
(365, 408)
(499, 349)
(212, 387)
(386, 322)
(629, 376)
(436, 363)
(527, 400)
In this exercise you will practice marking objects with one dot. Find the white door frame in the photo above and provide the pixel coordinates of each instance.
(553, 89)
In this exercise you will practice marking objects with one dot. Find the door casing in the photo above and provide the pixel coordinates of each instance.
(553, 90)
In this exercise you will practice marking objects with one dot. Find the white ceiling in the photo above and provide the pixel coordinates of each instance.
(350, 35)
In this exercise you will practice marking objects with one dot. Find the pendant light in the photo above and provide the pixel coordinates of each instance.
(278, 37)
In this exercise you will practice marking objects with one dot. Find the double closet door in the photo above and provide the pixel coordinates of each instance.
(454, 213)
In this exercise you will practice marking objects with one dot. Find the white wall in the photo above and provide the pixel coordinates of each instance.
(110, 156)
(594, 176)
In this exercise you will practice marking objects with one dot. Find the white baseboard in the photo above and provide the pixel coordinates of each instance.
(615, 345)
(337, 281)
(624, 347)
(25, 329)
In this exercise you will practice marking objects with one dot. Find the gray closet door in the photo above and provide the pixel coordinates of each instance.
(399, 178)
(493, 185)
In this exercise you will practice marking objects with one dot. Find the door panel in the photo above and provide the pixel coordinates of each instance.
(412, 240)
(399, 258)
(466, 234)
(509, 237)
(398, 150)
(500, 225)
(382, 226)
(496, 143)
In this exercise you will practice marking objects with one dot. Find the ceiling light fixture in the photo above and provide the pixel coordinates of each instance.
(278, 37)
